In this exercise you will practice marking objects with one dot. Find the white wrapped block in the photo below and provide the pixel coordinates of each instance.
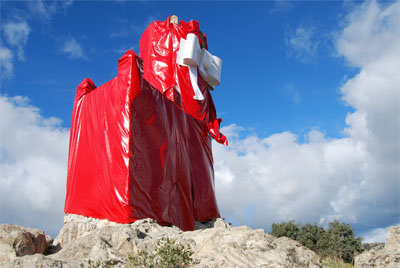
(211, 68)
(190, 54)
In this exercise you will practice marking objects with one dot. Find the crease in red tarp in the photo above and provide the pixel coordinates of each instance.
(134, 154)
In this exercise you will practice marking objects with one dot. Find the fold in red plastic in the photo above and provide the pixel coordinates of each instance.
(159, 47)
(134, 153)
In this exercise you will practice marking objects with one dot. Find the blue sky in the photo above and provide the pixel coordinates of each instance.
(312, 119)
(261, 72)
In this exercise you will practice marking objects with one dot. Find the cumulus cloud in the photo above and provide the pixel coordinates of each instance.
(16, 34)
(302, 43)
(33, 164)
(73, 49)
(354, 179)
(6, 63)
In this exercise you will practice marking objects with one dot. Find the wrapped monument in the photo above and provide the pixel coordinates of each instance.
(140, 144)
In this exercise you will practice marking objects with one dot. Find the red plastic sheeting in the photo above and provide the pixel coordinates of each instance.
(134, 154)
(159, 47)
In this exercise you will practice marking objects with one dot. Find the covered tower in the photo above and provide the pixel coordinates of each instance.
(140, 144)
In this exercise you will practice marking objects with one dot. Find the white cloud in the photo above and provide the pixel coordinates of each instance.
(354, 179)
(302, 43)
(6, 63)
(370, 29)
(376, 235)
(281, 179)
(73, 49)
(33, 164)
(42, 9)
(47, 9)
(17, 35)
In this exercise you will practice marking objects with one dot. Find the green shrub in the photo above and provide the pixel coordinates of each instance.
(343, 244)
(309, 235)
(168, 254)
(336, 243)
(288, 229)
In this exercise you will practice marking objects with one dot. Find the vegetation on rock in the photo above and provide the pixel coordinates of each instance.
(169, 253)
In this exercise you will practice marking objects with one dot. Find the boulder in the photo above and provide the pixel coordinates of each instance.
(17, 241)
(388, 257)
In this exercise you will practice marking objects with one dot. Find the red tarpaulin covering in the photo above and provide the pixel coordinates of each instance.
(135, 152)
(159, 47)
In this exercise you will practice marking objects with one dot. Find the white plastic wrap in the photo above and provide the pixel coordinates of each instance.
(190, 54)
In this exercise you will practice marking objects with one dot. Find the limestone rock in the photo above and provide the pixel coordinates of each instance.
(393, 238)
(49, 240)
(39, 261)
(110, 243)
(377, 258)
(388, 257)
(215, 244)
(76, 226)
(16, 241)
(226, 246)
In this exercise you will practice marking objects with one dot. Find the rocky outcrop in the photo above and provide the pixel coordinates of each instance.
(39, 260)
(215, 244)
(388, 257)
(17, 241)
(76, 226)
(393, 239)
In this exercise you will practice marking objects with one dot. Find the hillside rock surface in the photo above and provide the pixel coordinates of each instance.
(215, 244)
(393, 239)
(388, 257)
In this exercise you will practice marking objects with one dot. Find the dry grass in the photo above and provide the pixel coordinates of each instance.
(335, 264)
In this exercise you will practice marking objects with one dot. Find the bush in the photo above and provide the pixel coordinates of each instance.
(288, 229)
(168, 254)
(343, 244)
(309, 235)
(337, 242)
